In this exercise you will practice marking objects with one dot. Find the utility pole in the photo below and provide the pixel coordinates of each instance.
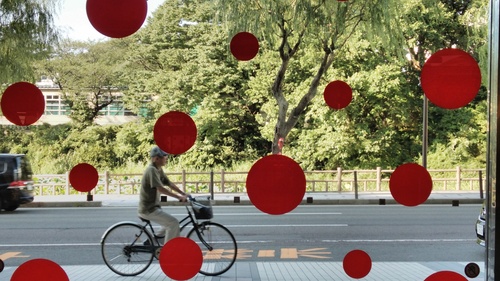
(425, 130)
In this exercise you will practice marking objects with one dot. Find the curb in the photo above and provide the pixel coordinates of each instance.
(379, 201)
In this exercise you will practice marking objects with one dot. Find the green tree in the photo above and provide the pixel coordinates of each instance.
(305, 28)
(27, 33)
(179, 61)
(88, 75)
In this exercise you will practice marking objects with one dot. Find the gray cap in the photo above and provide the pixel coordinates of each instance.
(156, 151)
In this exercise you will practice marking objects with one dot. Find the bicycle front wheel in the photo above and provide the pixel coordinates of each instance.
(223, 249)
(127, 249)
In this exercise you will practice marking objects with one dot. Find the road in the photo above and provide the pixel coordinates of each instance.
(70, 236)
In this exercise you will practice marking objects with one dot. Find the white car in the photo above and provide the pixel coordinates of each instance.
(480, 226)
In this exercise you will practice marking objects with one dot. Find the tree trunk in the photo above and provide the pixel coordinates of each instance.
(283, 124)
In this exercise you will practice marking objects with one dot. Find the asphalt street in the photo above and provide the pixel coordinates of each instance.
(71, 236)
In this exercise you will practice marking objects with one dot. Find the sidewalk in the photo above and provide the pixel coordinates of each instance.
(331, 198)
(280, 271)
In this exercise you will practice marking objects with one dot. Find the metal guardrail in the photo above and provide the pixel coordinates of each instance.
(222, 181)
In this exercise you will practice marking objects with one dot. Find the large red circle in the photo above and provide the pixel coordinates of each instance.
(117, 18)
(181, 258)
(175, 132)
(276, 184)
(445, 276)
(451, 78)
(357, 264)
(22, 103)
(83, 177)
(337, 94)
(410, 184)
(244, 46)
(39, 270)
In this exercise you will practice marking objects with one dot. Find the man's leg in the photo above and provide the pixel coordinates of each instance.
(169, 224)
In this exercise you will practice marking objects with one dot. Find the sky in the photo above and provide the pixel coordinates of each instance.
(74, 24)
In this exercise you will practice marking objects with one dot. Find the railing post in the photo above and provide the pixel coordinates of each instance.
(183, 180)
(379, 179)
(67, 184)
(211, 187)
(458, 178)
(355, 184)
(222, 180)
(339, 179)
(106, 182)
(481, 194)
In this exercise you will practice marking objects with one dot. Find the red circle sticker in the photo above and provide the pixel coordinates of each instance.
(40, 270)
(337, 94)
(451, 78)
(276, 184)
(181, 258)
(445, 276)
(22, 103)
(83, 177)
(410, 184)
(357, 264)
(117, 18)
(175, 132)
(244, 46)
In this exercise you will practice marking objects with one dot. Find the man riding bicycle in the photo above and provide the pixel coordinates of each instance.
(153, 184)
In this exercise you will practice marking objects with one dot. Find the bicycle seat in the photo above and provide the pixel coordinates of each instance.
(145, 220)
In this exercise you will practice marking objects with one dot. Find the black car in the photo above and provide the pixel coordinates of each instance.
(16, 181)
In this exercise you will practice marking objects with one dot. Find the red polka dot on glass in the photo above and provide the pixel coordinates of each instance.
(357, 264)
(181, 258)
(446, 276)
(22, 103)
(175, 132)
(337, 94)
(276, 184)
(117, 18)
(39, 270)
(451, 78)
(83, 177)
(410, 184)
(244, 46)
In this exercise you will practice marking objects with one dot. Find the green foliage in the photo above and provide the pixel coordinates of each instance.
(26, 34)
(180, 61)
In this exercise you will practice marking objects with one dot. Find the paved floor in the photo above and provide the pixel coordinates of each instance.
(277, 271)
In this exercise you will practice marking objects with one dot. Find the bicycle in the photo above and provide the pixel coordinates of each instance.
(128, 248)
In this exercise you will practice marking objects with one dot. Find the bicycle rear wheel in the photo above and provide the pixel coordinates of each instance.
(224, 249)
(127, 249)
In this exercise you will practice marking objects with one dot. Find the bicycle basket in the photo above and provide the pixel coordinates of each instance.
(202, 208)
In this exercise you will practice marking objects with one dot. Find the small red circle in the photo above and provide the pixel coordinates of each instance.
(445, 276)
(244, 46)
(175, 132)
(117, 18)
(357, 264)
(451, 78)
(337, 94)
(410, 184)
(181, 258)
(40, 270)
(83, 177)
(23, 103)
(276, 184)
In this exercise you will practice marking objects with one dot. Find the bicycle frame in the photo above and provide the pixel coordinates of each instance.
(195, 224)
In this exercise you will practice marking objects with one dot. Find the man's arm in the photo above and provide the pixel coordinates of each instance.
(167, 192)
